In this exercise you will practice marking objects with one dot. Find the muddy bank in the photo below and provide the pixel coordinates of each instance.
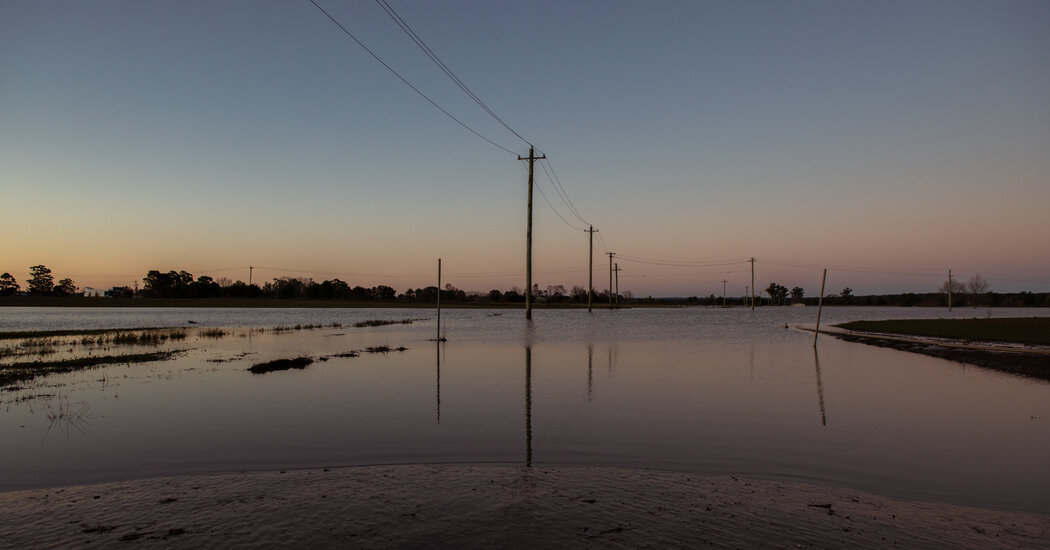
(422, 506)
(1030, 365)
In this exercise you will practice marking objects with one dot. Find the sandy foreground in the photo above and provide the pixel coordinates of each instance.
(438, 506)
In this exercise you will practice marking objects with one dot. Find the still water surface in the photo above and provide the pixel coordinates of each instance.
(714, 391)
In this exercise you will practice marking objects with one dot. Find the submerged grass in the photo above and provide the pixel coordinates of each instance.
(280, 364)
(383, 322)
(15, 373)
(1014, 330)
(19, 335)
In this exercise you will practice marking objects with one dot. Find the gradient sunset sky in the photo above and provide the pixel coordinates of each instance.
(886, 141)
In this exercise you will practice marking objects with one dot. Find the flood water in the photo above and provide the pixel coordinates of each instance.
(704, 390)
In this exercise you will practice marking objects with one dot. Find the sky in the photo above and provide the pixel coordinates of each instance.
(887, 142)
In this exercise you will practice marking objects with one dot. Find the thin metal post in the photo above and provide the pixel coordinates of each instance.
(820, 306)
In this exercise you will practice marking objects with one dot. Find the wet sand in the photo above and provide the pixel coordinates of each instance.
(486, 506)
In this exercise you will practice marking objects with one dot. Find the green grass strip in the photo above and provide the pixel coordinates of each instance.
(1014, 330)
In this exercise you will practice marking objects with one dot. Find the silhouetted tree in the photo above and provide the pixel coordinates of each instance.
(40, 282)
(204, 287)
(173, 284)
(777, 293)
(8, 285)
(958, 288)
(797, 293)
(977, 285)
(65, 287)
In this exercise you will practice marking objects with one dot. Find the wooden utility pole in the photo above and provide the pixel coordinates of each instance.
(532, 158)
(949, 290)
(752, 260)
(439, 301)
(611, 254)
(617, 270)
(250, 268)
(724, 292)
(590, 269)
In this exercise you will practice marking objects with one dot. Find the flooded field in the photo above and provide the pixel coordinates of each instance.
(726, 391)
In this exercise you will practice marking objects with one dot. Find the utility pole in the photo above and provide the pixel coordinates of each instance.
(532, 158)
(590, 269)
(752, 260)
(617, 270)
(438, 339)
(724, 292)
(949, 290)
(611, 254)
(250, 268)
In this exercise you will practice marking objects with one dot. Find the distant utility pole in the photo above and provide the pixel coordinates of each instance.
(617, 270)
(949, 290)
(746, 288)
(532, 158)
(752, 260)
(590, 269)
(724, 292)
(438, 339)
(611, 254)
(250, 268)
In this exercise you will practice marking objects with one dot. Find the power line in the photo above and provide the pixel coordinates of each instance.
(444, 68)
(407, 83)
(681, 263)
(555, 210)
(556, 181)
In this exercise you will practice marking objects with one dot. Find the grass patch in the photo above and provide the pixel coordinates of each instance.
(280, 364)
(212, 333)
(384, 349)
(147, 338)
(1014, 330)
(383, 323)
(16, 335)
(16, 373)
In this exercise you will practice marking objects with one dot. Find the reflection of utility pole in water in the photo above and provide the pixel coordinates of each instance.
(820, 388)
(612, 361)
(590, 372)
(528, 406)
(438, 382)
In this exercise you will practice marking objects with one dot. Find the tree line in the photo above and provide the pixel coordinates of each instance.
(40, 283)
(181, 284)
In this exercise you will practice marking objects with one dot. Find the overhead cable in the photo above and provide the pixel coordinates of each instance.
(407, 83)
(444, 68)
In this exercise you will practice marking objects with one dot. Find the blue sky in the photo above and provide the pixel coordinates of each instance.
(886, 141)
